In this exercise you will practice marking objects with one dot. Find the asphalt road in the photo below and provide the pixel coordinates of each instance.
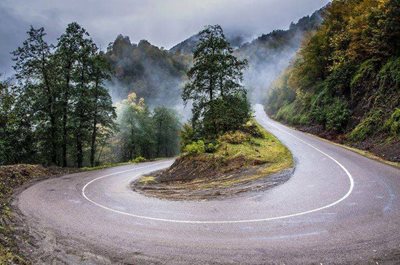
(339, 207)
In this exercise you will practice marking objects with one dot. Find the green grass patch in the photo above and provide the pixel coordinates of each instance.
(266, 149)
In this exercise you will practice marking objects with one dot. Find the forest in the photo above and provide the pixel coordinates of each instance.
(344, 82)
(57, 109)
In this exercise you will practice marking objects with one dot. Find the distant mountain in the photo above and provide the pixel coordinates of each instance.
(261, 48)
(152, 73)
(157, 74)
(271, 53)
(187, 46)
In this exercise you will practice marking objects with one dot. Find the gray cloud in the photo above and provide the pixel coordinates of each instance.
(162, 22)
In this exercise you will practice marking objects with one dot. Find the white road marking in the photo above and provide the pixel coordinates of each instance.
(228, 221)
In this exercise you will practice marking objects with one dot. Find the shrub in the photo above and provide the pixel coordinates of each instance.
(389, 75)
(236, 137)
(286, 113)
(226, 114)
(253, 129)
(186, 135)
(367, 126)
(304, 119)
(197, 147)
(393, 123)
(211, 147)
(337, 115)
(366, 70)
(139, 159)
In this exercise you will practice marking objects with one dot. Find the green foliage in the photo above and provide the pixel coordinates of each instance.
(145, 133)
(139, 159)
(393, 123)
(366, 70)
(215, 87)
(225, 114)
(337, 115)
(236, 137)
(286, 113)
(61, 113)
(60, 105)
(196, 147)
(253, 129)
(212, 147)
(367, 127)
(389, 75)
(187, 135)
(279, 95)
(346, 68)
(167, 128)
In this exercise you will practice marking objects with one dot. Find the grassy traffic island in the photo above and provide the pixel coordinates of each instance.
(246, 160)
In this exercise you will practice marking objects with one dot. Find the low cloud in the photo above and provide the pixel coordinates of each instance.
(163, 23)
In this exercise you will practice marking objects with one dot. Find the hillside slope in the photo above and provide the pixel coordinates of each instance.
(152, 73)
(345, 81)
(270, 54)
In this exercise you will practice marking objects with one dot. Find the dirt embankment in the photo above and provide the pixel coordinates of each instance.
(255, 162)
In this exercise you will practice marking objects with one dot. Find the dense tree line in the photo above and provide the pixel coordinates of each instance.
(346, 75)
(219, 101)
(58, 111)
(145, 133)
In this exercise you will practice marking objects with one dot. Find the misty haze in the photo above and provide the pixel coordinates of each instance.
(200, 132)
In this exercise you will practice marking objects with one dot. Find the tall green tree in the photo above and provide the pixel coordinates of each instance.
(167, 128)
(216, 75)
(101, 109)
(17, 141)
(145, 133)
(81, 117)
(34, 66)
(134, 122)
(7, 122)
(68, 47)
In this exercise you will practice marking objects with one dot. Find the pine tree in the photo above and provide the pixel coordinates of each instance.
(101, 108)
(215, 79)
(68, 47)
(34, 66)
(167, 127)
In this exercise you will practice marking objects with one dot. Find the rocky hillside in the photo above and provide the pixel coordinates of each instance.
(152, 73)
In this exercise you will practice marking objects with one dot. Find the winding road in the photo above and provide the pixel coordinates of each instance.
(338, 207)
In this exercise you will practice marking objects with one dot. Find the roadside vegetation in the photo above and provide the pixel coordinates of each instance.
(223, 147)
(344, 83)
(57, 109)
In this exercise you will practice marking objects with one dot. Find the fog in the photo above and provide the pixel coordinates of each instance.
(163, 23)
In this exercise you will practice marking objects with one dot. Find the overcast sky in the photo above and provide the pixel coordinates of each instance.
(162, 22)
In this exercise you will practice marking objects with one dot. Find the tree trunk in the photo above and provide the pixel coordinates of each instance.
(94, 126)
(65, 116)
(79, 149)
(50, 102)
